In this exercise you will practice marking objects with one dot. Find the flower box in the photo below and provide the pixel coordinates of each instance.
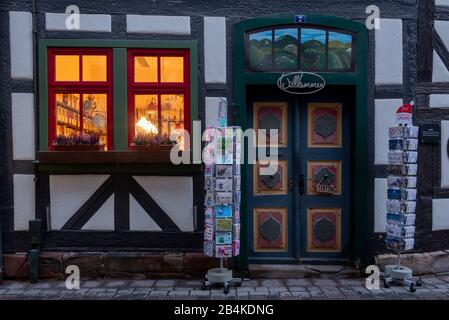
(160, 147)
(78, 147)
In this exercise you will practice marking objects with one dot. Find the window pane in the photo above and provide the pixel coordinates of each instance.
(172, 69)
(260, 50)
(95, 115)
(286, 48)
(68, 114)
(313, 43)
(67, 68)
(172, 109)
(339, 50)
(145, 69)
(94, 68)
(146, 114)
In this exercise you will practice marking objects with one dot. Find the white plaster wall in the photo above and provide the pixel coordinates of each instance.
(442, 28)
(440, 72)
(68, 193)
(389, 52)
(442, 2)
(444, 155)
(139, 219)
(174, 195)
(24, 201)
(380, 206)
(88, 22)
(103, 219)
(439, 101)
(215, 49)
(21, 44)
(158, 24)
(384, 117)
(23, 130)
(440, 214)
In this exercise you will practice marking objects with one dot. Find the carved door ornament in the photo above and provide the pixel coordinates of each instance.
(271, 181)
(325, 125)
(324, 180)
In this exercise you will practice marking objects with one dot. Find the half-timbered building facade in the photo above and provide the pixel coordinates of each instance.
(164, 64)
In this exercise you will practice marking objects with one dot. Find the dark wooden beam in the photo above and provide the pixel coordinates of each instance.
(389, 91)
(441, 13)
(91, 206)
(426, 9)
(152, 208)
(121, 201)
(42, 197)
(84, 240)
(432, 87)
(114, 157)
(440, 48)
(159, 169)
(23, 167)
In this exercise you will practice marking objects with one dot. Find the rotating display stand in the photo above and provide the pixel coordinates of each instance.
(222, 204)
(401, 195)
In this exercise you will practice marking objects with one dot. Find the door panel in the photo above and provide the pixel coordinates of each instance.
(270, 199)
(324, 164)
(302, 212)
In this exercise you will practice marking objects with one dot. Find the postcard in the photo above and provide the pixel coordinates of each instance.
(236, 230)
(224, 197)
(208, 170)
(209, 183)
(236, 247)
(396, 144)
(209, 215)
(237, 183)
(223, 185)
(209, 199)
(223, 224)
(394, 194)
(236, 214)
(223, 171)
(223, 251)
(223, 212)
(209, 248)
(237, 195)
(209, 232)
(223, 238)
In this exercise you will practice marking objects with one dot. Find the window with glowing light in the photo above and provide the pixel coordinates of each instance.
(80, 93)
(158, 92)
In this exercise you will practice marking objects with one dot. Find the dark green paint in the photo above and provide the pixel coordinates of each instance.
(119, 80)
(358, 79)
(120, 99)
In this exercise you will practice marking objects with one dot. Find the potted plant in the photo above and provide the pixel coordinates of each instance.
(78, 142)
(152, 142)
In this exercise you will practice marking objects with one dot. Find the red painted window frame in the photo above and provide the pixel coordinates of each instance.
(81, 87)
(157, 88)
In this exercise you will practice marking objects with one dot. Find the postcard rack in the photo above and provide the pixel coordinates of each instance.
(222, 204)
(401, 202)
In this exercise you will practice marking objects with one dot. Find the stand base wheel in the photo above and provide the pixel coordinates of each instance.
(412, 288)
(226, 290)
(419, 283)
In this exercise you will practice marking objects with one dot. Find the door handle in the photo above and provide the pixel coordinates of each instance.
(302, 185)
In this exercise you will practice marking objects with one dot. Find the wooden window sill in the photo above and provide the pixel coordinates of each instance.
(108, 157)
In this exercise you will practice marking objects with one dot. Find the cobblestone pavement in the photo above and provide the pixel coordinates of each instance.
(436, 287)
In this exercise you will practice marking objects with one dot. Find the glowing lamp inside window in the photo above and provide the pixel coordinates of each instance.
(146, 126)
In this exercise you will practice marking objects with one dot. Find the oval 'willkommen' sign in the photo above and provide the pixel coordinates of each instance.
(301, 82)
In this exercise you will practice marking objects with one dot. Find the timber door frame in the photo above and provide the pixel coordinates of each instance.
(356, 78)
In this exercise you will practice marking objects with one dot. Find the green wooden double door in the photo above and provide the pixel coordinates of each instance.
(301, 212)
